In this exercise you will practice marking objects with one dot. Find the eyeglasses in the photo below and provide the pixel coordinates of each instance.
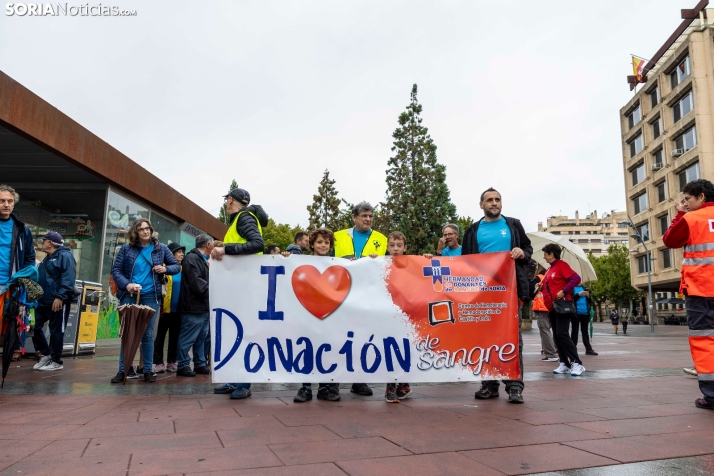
(446, 235)
(146, 228)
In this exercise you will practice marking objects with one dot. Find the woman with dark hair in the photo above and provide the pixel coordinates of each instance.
(139, 267)
(559, 282)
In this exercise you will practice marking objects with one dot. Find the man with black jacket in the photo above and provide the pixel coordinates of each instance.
(194, 308)
(244, 237)
(57, 273)
(494, 233)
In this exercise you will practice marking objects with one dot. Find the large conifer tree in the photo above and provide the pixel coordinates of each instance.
(222, 213)
(418, 201)
(325, 207)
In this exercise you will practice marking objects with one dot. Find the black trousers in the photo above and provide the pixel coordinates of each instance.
(700, 318)
(624, 327)
(169, 322)
(580, 322)
(567, 352)
(57, 321)
(517, 384)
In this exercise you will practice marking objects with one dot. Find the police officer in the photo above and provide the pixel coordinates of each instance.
(693, 229)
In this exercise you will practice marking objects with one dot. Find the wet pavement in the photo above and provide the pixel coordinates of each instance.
(630, 413)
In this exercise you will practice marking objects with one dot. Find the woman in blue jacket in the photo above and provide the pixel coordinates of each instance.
(140, 266)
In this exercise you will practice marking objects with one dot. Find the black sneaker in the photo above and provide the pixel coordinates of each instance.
(140, 370)
(331, 393)
(185, 372)
(515, 396)
(485, 393)
(361, 389)
(131, 374)
(390, 395)
(203, 370)
(303, 395)
(403, 391)
(149, 377)
(119, 378)
(701, 403)
(590, 352)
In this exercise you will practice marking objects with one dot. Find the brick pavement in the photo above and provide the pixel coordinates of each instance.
(631, 411)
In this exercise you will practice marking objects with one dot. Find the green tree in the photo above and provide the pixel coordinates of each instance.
(464, 222)
(325, 207)
(418, 201)
(345, 220)
(222, 213)
(613, 277)
(280, 234)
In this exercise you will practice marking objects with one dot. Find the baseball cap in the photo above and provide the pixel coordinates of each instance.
(54, 237)
(239, 195)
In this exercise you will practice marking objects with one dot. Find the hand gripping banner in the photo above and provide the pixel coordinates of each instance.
(393, 319)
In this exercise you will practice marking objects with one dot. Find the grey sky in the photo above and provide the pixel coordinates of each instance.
(520, 95)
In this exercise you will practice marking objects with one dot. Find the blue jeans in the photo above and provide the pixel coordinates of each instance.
(194, 328)
(147, 340)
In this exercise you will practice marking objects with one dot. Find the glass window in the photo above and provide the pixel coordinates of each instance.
(663, 224)
(636, 146)
(657, 128)
(167, 229)
(642, 264)
(683, 107)
(638, 174)
(661, 192)
(634, 117)
(622, 225)
(666, 258)
(644, 231)
(640, 203)
(657, 157)
(685, 141)
(654, 97)
(680, 72)
(689, 174)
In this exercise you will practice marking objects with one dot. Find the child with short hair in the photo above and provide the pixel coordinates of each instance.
(322, 241)
(397, 246)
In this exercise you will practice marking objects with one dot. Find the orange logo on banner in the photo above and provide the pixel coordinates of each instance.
(460, 304)
(322, 293)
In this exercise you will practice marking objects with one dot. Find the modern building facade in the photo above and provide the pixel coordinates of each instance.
(72, 182)
(668, 140)
(592, 233)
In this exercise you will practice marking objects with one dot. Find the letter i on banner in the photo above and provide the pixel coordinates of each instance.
(271, 314)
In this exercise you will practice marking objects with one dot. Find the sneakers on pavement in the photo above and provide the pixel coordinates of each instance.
(485, 392)
(303, 395)
(577, 369)
(390, 395)
(172, 367)
(160, 368)
(227, 388)
(701, 403)
(361, 389)
(131, 374)
(690, 371)
(52, 366)
(403, 391)
(43, 361)
(562, 369)
(515, 396)
(241, 393)
(185, 372)
(590, 352)
(149, 377)
(204, 370)
(119, 378)
(549, 359)
(331, 393)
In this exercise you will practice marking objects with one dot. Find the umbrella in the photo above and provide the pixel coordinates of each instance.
(671, 301)
(134, 319)
(572, 254)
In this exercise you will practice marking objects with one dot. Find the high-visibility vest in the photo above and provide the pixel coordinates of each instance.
(538, 302)
(233, 237)
(345, 245)
(698, 263)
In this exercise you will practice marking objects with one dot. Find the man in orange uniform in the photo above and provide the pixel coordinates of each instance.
(693, 229)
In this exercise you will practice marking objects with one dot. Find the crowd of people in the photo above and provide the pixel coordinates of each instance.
(175, 284)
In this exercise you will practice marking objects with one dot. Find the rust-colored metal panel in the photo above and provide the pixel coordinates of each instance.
(29, 115)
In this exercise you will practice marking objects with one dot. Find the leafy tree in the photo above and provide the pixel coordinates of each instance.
(222, 213)
(325, 207)
(613, 277)
(464, 222)
(280, 234)
(418, 202)
(345, 220)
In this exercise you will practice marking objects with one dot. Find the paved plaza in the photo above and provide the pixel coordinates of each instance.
(632, 412)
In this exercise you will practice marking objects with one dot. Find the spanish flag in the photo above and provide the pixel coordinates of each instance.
(637, 65)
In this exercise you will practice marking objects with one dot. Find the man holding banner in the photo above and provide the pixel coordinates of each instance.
(494, 233)
(358, 242)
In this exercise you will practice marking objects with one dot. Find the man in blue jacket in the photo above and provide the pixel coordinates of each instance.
(57, 274)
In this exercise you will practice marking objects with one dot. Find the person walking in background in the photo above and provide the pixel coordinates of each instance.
(170, 318)
(615, 319)
(140, 267)
(194, 306)
(449, 241)
(581, 320)
(496, 233)
(693, 229)
(559, 282)
(273, 249)
(541, 313)
(302, 243)
(57, 273)
(244, 237)
(624, 320)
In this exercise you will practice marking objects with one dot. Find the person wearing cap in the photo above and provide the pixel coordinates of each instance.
(57, 273)
(170, 319)
(244, 237)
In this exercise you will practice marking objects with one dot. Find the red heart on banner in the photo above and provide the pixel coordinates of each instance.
(321, 293)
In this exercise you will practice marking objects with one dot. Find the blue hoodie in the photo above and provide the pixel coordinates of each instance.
(58, 272)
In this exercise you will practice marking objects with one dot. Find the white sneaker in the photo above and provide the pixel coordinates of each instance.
(577, 369)
(562, 369)
(690, 371)
(53, 366)
(44, 360)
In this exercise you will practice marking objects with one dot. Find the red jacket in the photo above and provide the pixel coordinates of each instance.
(559, 277)
(677, 235)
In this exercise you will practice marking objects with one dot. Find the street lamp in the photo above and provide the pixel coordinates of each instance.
(637, 236)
